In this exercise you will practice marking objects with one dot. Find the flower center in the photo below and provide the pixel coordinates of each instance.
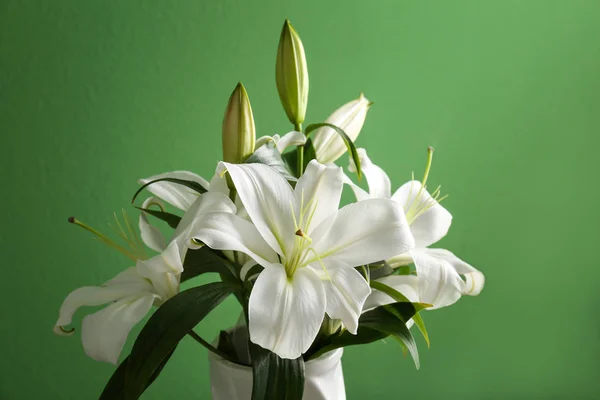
(302, 242)
(415, 207)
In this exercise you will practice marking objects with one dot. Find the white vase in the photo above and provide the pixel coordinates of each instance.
(323, 378)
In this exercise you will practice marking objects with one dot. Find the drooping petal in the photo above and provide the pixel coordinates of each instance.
(364, 232)
(475, 279)
(429, 221)
(378, 180)
(408, 285)
(269, 201)
(292, 138)
(439, 283)
(208, 202)
(318, 193)
(104, 333)
(164, 271)
(346, 291)
(123, 285)
(285, 314)
(151, 235)
(329, 146)
(177, 195)
(225, 231)
(359, 192)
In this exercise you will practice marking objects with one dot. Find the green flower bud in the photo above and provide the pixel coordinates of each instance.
(238, 127)
(291, 74)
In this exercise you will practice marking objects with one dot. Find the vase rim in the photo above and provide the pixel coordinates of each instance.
(316, 366)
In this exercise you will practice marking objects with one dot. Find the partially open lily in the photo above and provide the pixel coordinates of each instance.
(292, 138)
(131, 293)
(438, 270)
(308, 247)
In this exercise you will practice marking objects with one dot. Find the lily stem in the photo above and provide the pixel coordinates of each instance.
(298, 127)
(210, 347)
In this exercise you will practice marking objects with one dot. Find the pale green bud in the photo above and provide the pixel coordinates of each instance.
(291, 74)
(238, 127)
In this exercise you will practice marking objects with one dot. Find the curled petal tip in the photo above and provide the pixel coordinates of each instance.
(59, 330)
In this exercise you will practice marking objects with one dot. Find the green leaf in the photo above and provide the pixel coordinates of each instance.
(381, 270)
(269, 155)
(399, 297)
(115, 388)
(171, 219)
(191, 184)
(363, 335)
(391, 319)
(403, 270)
(375, 325)
(167, 326)
(204, 260)
(349, 144)
(274, 377)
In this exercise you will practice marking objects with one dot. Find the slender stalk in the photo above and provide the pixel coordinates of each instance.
(210, 347)
(300, 149)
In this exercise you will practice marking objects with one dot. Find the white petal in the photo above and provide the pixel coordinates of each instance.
(292, 138)
(218, 183)
(329, 146)
(261, 141)
(164, 271)
(175, 194)
(364, 232)
(378, 180)
(207, 203)
(346, 291)
(439, 283)
(269, 201)
(475, 279)
(286, 314)
(319, 189)
(225, 231)
(105, 332)
(123, 285)
(151, 235)
(359, 192)
(405, 284)
(431, 225)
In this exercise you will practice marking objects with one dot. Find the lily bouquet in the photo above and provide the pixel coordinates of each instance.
(311, 276)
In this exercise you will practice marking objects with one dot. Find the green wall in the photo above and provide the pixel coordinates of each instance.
(96, 94)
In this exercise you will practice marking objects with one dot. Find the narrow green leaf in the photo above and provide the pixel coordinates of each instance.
(375, 325)
(403, 270)
(392, 319)
(167, 326)
(274, 377)
(191, 184)
(349, 144)
(115, 388)
(171, 219)
(399, 297)
(202, 261)
(269, 155)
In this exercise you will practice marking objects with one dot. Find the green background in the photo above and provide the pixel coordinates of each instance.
(94, 95)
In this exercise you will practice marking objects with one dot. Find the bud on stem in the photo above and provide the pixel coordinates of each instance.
(239, 132)
(291, 75)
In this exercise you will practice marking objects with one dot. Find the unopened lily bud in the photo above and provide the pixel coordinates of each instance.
(291, 74)
(350, 117)
(238, 127)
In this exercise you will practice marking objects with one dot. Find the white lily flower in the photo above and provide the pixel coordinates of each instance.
(329, 146)
(131, 294)
(293, 138)
(439, 271)
(177, 195)
(308, 247)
